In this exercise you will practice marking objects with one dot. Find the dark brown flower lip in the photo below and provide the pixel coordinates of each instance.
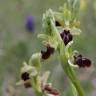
(66, 36)
(25, 76)
(50, 90)
(26, 79)
(82, 61)
(46, 54)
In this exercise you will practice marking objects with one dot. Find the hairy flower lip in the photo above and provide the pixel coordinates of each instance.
(46, 54)
(66, 36)
(87, 62)
(82, 61)
(25, 76)
(50, 90)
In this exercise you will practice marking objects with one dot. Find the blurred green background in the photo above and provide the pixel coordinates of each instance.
(17, 45)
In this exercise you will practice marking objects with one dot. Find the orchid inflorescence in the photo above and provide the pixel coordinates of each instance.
(59, 29)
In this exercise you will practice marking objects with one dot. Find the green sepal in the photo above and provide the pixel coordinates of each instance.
(35, 60)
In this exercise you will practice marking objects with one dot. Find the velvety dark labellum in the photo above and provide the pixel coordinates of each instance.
(25, 76)
(50, 90)
(57, 23)
(82, 62)
(78, 60)
(87, 62)
(66, 36)
(30, 23)
(46, 54)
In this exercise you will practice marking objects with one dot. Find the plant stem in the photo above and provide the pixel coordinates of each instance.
(38, 93)
(36, 86)
(71, 75)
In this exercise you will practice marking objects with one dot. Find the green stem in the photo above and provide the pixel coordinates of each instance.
(36, 87)
(71, 75)
(38, 93)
